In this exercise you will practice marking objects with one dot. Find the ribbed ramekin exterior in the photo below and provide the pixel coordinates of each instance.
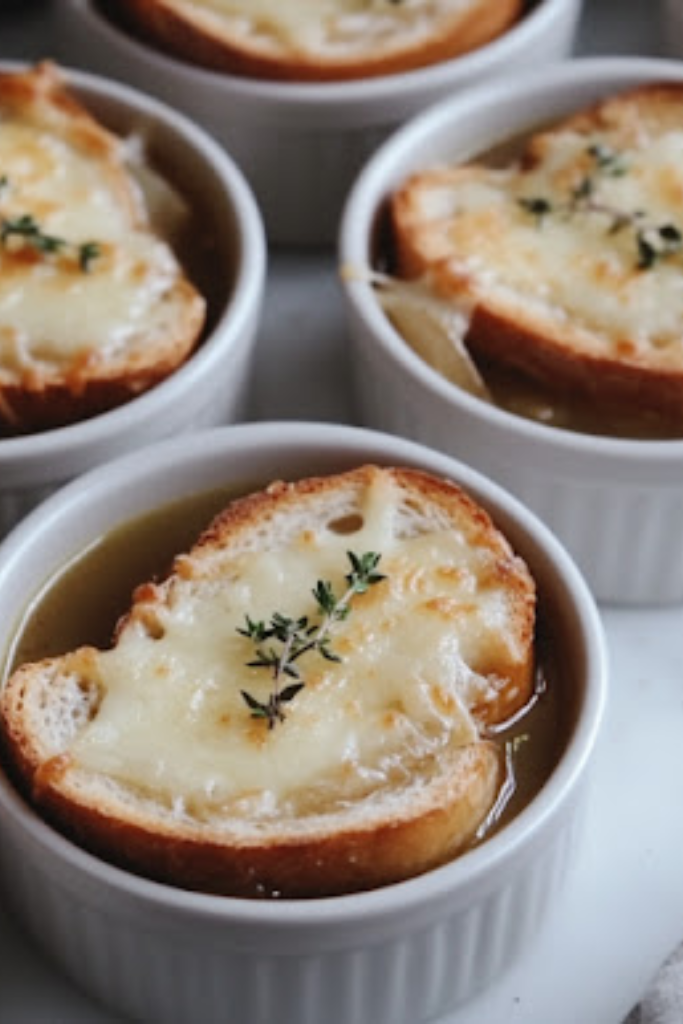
(215, 400)
(626, 537)
(300, 148)
(628, 541)
(160, 975)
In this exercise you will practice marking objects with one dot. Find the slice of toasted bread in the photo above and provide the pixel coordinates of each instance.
(571, 258)
(154, 754)
(94, 307)
(317, 40)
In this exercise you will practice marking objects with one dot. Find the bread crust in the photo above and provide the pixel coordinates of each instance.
(550, 343)
(408, 830)
(315, 861)
(37, 390)
(202, 37)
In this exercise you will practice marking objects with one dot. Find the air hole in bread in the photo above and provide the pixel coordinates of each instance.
(153, 627)
(85, 712)
(81, 701)
(351, 523)
(412, 505)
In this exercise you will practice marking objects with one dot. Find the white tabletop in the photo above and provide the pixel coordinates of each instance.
(622, 909)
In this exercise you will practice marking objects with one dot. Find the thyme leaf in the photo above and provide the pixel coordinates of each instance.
(27, 227)
(538, 206)
(583, 190)
(295, 637)
(608, 160)
(656, 242)
(87, 252)
(653, 242)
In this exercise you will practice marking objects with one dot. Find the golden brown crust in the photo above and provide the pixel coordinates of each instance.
(562, 353)
(40, 393)
(190, 35)
(616, 384)
(39, 94)
(435, 819)
(654, 107)
(306, 866)
(89, 387)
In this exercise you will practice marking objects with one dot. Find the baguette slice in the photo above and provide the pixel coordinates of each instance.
(94, 307)
(317, 40)
(571, 257)
(148, 754)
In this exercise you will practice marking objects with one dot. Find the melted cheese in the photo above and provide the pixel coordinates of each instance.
(51, 311)
(173, 722)
(313, 25)
(570, 264)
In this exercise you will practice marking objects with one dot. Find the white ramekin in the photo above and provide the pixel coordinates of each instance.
(300, 145)
(211, 388)
(616, 504)
(399, 955)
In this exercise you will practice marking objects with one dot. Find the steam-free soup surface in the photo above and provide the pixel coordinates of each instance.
(82, 603)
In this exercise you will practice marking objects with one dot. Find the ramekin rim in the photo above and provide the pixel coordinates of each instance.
(390, 87)
(475, 866)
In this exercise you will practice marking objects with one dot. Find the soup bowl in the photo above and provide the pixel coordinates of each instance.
(403, 953)
(211, 387)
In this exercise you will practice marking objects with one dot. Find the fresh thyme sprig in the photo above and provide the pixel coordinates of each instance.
(26, 228)
(653, 241)
(296, 637)
(29, 230)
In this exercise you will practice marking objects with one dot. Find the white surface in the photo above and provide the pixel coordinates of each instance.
(622, 910)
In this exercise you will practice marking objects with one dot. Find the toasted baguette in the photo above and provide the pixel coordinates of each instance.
(94, 307)
(571, 257)
(332, 40)
(378, 771)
